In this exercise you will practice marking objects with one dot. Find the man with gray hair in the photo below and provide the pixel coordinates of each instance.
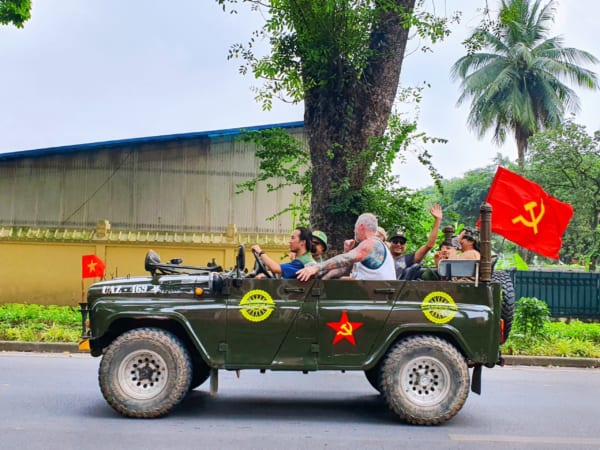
(372, 257)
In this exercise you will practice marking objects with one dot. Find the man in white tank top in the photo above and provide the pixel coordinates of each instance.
(372, 257)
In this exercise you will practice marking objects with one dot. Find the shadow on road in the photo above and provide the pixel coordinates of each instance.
(359, 409)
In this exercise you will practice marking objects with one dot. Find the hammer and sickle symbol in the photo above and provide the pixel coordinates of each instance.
(533, 223)
(345, 329)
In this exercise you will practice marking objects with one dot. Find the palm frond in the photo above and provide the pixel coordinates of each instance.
(518, 82)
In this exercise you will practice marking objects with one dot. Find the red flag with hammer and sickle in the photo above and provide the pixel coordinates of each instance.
(525, 214)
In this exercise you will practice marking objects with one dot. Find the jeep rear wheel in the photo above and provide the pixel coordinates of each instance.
(145, 373)
(425, 380)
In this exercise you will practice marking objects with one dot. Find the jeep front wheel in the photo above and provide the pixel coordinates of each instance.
(425, 380)
(145, 373)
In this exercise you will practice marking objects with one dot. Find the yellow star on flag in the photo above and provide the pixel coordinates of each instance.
(92, 266)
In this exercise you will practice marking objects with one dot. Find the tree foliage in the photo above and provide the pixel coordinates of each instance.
(284, 161)
(343, 59)
(15, 12)
(515, 74)
(565, 161)
(463, 196)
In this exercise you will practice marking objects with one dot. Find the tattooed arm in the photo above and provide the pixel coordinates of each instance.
(337, 273)
(339, 263)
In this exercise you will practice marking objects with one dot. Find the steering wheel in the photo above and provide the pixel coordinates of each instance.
(260, 267)
(240, 259)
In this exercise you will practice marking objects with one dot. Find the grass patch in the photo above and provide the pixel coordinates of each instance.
(574, 339)
(36, 323)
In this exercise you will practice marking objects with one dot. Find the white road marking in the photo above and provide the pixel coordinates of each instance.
(525, 439)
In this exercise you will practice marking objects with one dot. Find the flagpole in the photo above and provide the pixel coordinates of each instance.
(485, 270)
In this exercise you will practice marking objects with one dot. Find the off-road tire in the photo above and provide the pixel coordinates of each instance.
(145, 372)
(508, 299)
(374, 377)
(425, 380)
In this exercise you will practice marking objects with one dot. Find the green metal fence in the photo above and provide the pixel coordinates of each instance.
(568, 294)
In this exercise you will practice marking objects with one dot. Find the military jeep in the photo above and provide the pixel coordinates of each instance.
(162, 335)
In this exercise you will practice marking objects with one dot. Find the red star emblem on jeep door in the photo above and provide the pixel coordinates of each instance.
(344, 329)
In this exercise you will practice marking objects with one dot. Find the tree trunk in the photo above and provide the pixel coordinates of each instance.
(521, 136)
(340, 118)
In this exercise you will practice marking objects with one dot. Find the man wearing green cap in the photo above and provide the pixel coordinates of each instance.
(319, 245)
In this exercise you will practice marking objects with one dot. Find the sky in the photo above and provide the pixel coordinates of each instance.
(99, 70)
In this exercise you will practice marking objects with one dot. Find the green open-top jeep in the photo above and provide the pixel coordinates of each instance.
(162, 335)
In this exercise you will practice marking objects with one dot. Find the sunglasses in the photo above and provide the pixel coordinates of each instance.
(397, 241)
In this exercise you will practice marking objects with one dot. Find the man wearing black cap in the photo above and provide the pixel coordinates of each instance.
(398, 244)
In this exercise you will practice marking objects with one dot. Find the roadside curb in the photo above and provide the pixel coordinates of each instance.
(41, 347)
(510, 360)
(523, 360)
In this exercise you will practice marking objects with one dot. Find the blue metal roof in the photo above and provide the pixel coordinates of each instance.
(141, 140)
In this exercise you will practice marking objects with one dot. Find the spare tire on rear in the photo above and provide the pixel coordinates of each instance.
(508, 299)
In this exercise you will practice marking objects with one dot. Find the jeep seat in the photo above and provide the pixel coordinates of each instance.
(459, 268)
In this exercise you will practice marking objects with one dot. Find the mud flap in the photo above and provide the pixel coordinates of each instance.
(214, 381)
(476, 380)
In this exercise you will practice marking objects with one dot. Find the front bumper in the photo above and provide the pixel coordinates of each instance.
(84, 345)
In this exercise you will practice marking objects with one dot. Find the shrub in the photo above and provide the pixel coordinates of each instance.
(531, 316)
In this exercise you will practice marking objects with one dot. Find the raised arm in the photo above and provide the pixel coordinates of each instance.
(436, 212)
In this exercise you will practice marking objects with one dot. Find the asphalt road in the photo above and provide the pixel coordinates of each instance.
(52, 401)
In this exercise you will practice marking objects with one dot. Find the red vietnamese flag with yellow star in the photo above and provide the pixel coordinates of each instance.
(92, 266)
(525, 214)
(344, 329)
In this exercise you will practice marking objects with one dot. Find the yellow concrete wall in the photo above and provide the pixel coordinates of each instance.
(49, 272)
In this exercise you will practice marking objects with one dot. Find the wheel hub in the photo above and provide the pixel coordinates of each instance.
(143, 374)
(425, 381)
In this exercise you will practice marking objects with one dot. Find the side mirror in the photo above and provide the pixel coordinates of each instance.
(152, 260)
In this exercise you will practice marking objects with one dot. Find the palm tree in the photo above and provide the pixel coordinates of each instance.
(516, 83)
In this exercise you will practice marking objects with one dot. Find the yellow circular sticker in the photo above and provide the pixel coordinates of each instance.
(256, 305)
(439, 307)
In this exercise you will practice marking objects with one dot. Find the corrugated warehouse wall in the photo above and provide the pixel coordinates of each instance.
(176, 194)
(174, 185)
